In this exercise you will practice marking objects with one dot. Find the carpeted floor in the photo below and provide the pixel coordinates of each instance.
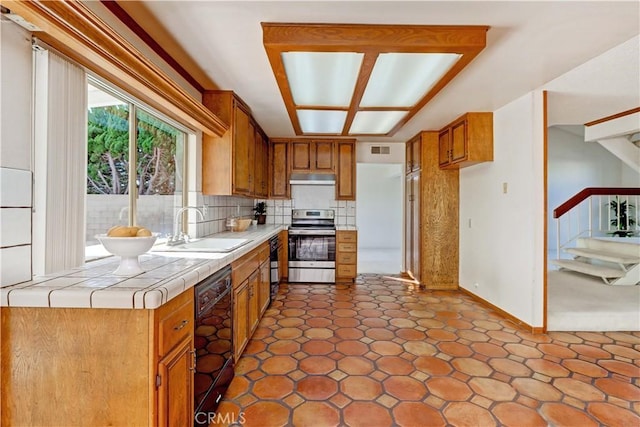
(577, 302)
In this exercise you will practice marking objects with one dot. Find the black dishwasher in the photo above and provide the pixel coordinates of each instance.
(214, 356)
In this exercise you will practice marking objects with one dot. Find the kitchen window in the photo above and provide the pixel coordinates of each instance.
(135, 166)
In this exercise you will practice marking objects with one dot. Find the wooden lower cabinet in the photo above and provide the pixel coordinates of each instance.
(250, 276)
(283, 255)
(346, 255)
(77, 366)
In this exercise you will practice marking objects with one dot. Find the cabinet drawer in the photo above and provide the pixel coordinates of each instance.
(346, 271)
(347, 258)
(347, 237)
(347, 247)
(175, 326)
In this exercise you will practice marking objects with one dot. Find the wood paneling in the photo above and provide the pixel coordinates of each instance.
(431, 223)
(74, 30)
(63, 366)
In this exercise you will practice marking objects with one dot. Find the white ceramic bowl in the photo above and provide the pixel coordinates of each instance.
(128, 249)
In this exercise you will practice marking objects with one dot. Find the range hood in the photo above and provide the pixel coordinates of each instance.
(312, 179)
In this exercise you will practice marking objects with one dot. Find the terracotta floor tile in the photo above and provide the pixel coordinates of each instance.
(492, 389)
(419, 348)
(621, 351)
(523, 351)
(547, 368)
(317, 387)
(468, 414)
(382, 352)
(455, 349)
(394, 365)
(578, 389)
(585, 368)
(536, 389)
(563, 415)
(404, 388)
(273, 387)
(509, 367)
(412, 414)
(355, 365)
(623, 368)
(449, 388)
(410, 334)
(472, 367)
(313, 414)
(317, 347)
(367, 414)
(589, 351)
(386, 348)
(516, 415)
(618, 389)
(432, 365)
(490, 350)
(277, 365)
(360, 388)
(380, 334)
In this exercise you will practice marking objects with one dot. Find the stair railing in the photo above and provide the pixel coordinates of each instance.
(590, 213)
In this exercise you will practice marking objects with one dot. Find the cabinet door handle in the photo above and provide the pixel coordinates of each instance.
(192, 368)
(181, 325)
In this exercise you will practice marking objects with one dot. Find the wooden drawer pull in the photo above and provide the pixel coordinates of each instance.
(181, 325)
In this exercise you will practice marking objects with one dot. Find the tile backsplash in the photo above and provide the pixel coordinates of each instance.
(219, 208)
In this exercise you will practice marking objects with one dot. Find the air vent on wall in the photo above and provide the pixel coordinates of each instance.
(380, 149)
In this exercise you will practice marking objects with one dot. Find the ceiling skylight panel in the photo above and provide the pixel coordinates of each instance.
(402, 79)
(321, 121)
(375, 122)
(322, 78)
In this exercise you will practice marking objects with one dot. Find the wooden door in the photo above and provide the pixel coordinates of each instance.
(459, 141)
(240, 318)
(301, 157)
(444, 145)
(408, 223)
(265, 286)
(264, 185)
(254, 301)
(279, 180)
(175, 391)
(260, 166)
(346, 175)
(251, 158)
(416, 228)
(323, 157)
(241, 164)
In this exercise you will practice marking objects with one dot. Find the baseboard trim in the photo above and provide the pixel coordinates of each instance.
(511, 317)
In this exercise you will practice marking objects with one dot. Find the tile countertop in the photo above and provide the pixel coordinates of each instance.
(167, 275)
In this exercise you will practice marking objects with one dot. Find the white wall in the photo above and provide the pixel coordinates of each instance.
(501, 250)
(15, 154)
(379, 205)
(573, 165)
(396, 152)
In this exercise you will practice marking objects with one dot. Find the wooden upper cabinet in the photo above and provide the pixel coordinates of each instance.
(466, 141)
(279, 187)
(346, 176)
(261, 182)
(312, 157)
(229, 162)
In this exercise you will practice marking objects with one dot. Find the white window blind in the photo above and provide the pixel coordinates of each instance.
(60, 135)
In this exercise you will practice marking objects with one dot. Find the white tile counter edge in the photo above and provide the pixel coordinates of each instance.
(167, 275)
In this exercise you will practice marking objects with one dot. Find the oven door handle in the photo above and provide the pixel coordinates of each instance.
(312, 232)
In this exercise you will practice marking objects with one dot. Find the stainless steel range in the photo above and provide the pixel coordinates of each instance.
(312, 246)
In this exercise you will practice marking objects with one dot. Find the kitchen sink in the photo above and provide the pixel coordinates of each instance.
(207, 244)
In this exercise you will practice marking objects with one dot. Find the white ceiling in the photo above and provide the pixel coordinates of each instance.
(528, 45)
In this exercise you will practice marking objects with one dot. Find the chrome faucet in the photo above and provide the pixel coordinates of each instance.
(178, 236)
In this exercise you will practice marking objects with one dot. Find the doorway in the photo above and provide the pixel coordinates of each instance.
(379, 217)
